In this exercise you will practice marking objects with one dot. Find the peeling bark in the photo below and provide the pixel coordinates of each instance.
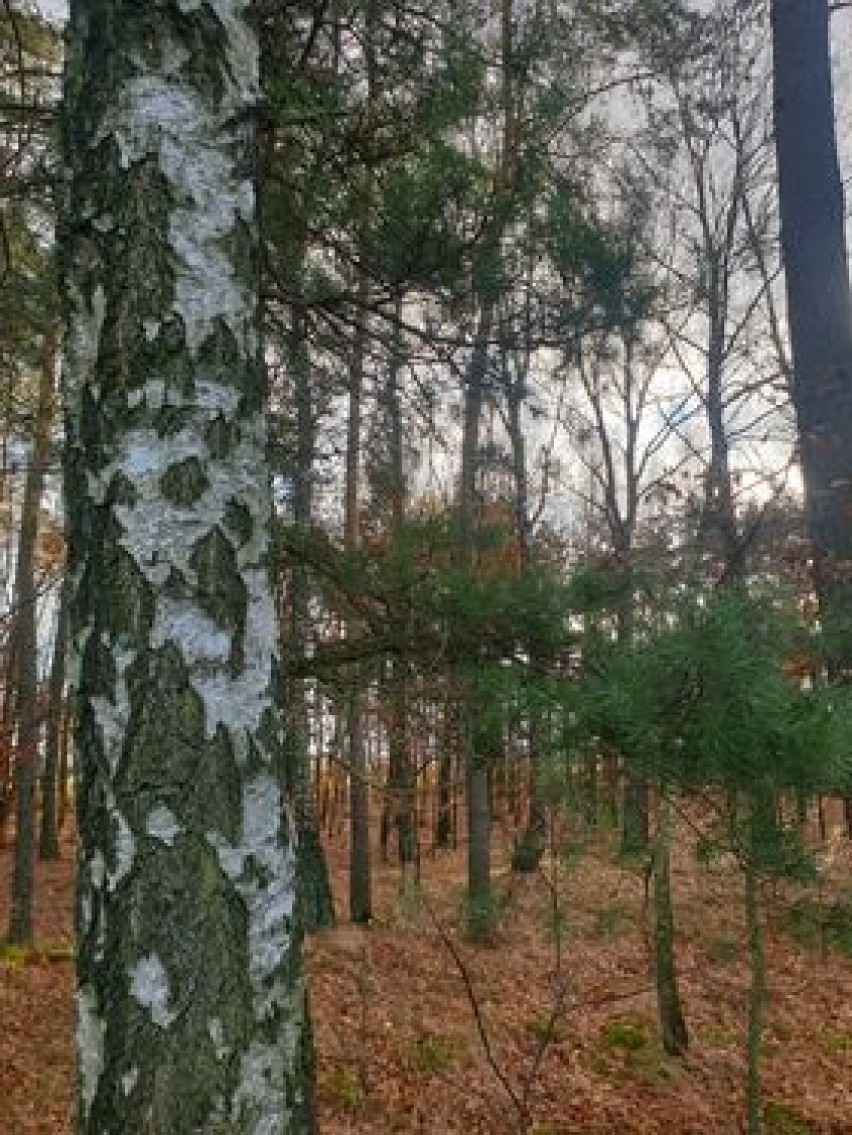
(191, 1003)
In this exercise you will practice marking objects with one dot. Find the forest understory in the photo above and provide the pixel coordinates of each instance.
(563, 995)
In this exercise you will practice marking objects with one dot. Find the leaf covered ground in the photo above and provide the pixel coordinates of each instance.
(563, 993)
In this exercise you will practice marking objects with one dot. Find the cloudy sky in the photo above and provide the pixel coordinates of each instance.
(842, 37)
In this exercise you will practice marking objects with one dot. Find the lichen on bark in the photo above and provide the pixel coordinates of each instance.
(191, 1009)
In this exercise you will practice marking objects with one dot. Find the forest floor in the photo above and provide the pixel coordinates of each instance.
(563, 994)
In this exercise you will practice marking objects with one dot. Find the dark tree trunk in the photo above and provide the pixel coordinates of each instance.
(444, 831)
(402, 785)
(65, 732)
(672, 1023)
(818, 304)
(314, 885)
(476, 761)
(26, 655)
(7, 731)
(360, 882)
(529, 849)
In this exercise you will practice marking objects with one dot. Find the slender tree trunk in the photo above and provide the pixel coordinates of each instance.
(26, 654)
(191, 1002)
(672, 1023)
(720, 510)
(360, 884)
(314, 884)
(634, 822)
(530, 847)
(48, 846)
(448, 743)
(756, 1001)
(7, 733)
(476, 761)
(65, 731)
(818, 304)
(402, 784)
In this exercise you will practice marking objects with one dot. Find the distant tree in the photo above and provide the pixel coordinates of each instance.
(28, 356)
(26, 655)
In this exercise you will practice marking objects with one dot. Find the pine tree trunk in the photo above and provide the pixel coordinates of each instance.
(191, 1003)
(26, 656)
(7, 731)
(66, 729)
(530, 847)
(818, 304)
(402, 786)
(447, 742)
(672, 1023)
(314, 884)
(756, 1001)
(476, 763)
(360, 881)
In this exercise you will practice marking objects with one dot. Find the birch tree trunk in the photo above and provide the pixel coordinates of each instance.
(48, 840)
(191, 1003)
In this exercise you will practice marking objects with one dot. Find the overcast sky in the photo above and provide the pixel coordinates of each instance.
(57, 9)
(842, 37)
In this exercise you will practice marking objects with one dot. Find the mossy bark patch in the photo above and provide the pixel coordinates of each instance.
(221, 591)
(185, 482)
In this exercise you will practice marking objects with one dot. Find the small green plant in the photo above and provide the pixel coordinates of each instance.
(821, 925)
(556, 923)
(722, 951)
(13, 957)
(611, 922)
(346, 1090)
(719, 1036)
(479, 920)
(784, 1119)
(544, 1030)
(626, 1034)
(633, 1042)
(526, 855)
(435, 1053)
(838, 1041)
(409, 902)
